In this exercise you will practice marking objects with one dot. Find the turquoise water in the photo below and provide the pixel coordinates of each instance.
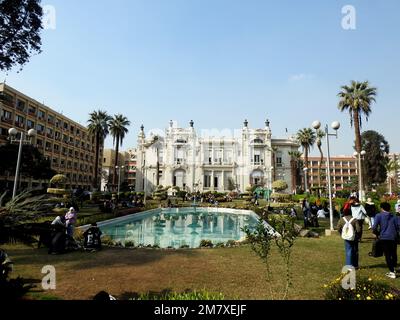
(180, 227)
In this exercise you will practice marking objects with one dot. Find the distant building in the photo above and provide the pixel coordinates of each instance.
(343, 168)
(67, 144)
(130, 168)
(182, 158)
(396, 175)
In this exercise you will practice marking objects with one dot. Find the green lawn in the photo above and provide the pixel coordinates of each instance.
(235, 272)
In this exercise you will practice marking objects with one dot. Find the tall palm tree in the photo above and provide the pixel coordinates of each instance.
(306, 138)
(295, 160)
(357, 100)
(118, 129)
(98, 126)
(320, 135)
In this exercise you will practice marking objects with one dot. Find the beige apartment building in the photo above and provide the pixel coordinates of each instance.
(343, 168)
(126, 167)
(66, 143)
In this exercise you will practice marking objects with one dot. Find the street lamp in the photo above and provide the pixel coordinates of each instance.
(119, 178)
(359, 156)
(335, 126)
(23, 140)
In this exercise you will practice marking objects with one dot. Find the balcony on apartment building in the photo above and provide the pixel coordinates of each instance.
(6, 120)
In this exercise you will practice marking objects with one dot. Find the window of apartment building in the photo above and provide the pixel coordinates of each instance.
(55, 161)
(76, 154)
(56, 147)
(65, 138)
(62, 163)
(70, 152)
(58, 123)
(3, 132)
(78, 132)
(19, 120)
(41, 114)
(32, 110)
(75, 165)
(21, 105)
(30, 124)
(58, 135)
(71, 140)
(48, 146)
(69, 164)
(65, 125)
(72, 128)
(50, 118)
(64, 151)
(40, 128)
(49, 132)
(39, 142)
(6, 97)
(6, 115)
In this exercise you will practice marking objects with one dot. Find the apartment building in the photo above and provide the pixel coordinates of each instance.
(343, 168)
(66, 143)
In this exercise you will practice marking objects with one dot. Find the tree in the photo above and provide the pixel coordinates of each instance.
(357, 100)
(376, 159)
(118, 130)
(306, 138)
(33, 164)
(98, 125)
(20, 28)
(296, 165)
(320, 135)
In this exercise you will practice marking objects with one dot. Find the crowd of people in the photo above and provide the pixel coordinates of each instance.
(385, 226)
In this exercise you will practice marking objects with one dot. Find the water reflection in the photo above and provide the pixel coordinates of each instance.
(173, 228)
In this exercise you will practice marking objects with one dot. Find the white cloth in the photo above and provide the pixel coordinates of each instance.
(359, 212)
(321, 214)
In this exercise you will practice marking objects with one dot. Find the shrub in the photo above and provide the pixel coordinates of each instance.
(184, 246)
(129, 244)
(59, 180)
(60, 192)
(231, 243)
(279, 185)
(206, 244)
(107, 241)
(281, 197)
(220, 245)
(188, 295)
(366, 289)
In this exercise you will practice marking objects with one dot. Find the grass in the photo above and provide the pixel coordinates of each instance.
(236, 273)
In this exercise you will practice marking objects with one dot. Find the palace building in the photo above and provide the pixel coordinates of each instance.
(182, 158)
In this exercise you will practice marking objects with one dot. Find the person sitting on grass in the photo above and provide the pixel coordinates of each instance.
(58, 236)
(92, 238)
(70, 218)
(386, 229)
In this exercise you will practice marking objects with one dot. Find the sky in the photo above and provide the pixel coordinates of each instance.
(217, 62)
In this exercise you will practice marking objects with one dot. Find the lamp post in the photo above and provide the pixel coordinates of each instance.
(335, 126)
(305, 179)
(359, 156)
(22, 140)
(119, 179)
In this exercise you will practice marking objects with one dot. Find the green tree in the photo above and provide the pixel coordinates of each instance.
(357, 100)
(20, 28)
(306, 138)
(376, 159)
(98, 125)
(118, 129)
(33, 164)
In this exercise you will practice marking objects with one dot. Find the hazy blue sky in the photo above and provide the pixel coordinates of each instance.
(218, 62)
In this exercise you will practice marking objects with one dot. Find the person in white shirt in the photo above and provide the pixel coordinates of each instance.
(360, 214)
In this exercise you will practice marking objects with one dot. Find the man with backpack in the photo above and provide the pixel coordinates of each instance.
(350, 232)
(386, 229)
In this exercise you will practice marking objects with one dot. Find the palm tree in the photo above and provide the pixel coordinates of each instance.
(391, 167)
(295, 160)
(118, 130)
(306, 138)
(98, 126)
(320, 135)
(357, 100)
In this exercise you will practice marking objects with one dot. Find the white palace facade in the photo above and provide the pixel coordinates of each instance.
(208, 162)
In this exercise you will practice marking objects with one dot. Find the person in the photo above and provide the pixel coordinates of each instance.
(256, 199)
(306, 212)
(351, 245)
(386, 229)
(92, 238)
(371, 210)
(293, 213)
(397, 207)
(103, 296)
(314, 215)
(322, 213)
(70, 220)
(358, 212)
(58, 236)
